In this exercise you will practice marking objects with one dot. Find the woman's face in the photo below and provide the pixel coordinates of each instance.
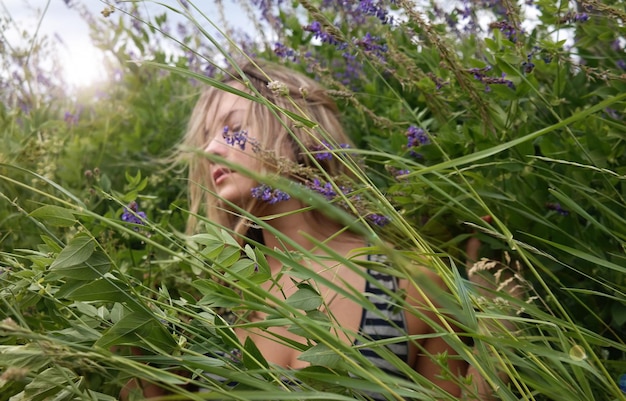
(228, 184)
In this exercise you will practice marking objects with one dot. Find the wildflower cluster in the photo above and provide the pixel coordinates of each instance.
(371, 44)
(416, 137)
(378, 219)
(237, 138)
(272, 196)
(480, 74)
(268, 194)
(368, 43)
(324, 151)
(573, 17)
(133, 215)
(285, 52)
(337, 190)
(508, 30)
(326, 189)
(371, 7)
(319, 33)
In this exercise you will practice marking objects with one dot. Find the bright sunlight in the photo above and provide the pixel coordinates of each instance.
(82, 65)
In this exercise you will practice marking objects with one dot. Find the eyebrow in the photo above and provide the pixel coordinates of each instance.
(223, 119)
(230, 113)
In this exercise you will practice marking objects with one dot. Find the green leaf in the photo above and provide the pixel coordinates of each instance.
(54, 215)
(241, 268)
(51, 384)
(94, 267)
(252, 357)
(322, 355)
(23, 356)
(139, 329)
(313, 318)
(306, 298)
(105, 183)
(77, 251)
(104, 289)
(216, 295)
(228, 257)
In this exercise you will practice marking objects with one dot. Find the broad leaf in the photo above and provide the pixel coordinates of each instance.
(252, 357)
(54, 215)
(306, 298)
(105, 289)
(94, 267)
(77, 251)
(138, 329)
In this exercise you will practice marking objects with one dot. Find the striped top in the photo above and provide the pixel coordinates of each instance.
(385, 322)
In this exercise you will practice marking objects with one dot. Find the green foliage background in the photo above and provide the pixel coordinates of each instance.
(540, 148)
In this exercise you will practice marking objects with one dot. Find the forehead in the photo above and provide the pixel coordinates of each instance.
(227, 108)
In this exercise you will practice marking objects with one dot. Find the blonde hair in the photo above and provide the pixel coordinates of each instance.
(279, 134)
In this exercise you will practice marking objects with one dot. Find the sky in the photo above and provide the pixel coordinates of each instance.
(82, 63)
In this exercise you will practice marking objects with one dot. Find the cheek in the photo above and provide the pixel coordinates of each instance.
(251, 161)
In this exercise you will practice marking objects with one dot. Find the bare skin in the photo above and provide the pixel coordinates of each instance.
(345, 312)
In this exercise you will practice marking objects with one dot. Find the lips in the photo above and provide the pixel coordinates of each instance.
(219, 175)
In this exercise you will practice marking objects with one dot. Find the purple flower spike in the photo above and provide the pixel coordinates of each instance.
(133, 215)
(269, 195)
(235, 138)
(324, 189)
(416, 137)
(378, 219)
(324, 150)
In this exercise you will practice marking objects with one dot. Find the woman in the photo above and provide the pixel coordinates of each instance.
(244, 138)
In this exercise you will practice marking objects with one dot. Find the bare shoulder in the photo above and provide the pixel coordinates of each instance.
(426, 294)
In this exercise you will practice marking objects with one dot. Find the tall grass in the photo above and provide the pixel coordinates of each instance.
(520, 126)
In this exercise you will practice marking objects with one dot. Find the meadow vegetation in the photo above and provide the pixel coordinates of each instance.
(489, 119)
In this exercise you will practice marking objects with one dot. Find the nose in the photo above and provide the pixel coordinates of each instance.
(217, 146)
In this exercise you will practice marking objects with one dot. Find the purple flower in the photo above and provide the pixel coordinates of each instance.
(528, 66)
(401, 174)
(235, 138)
(371, 7)
(133, 215)
(557, 208)
(621, 64)
(70, 119)
(481, 76)
(285, 52)
(612, 113)
(268, 194)
(507, 29)
(323, 151)
(616, 45)
(316, 29)
(574, 17)
(415, 138)
(378, 219)
(324, 189)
